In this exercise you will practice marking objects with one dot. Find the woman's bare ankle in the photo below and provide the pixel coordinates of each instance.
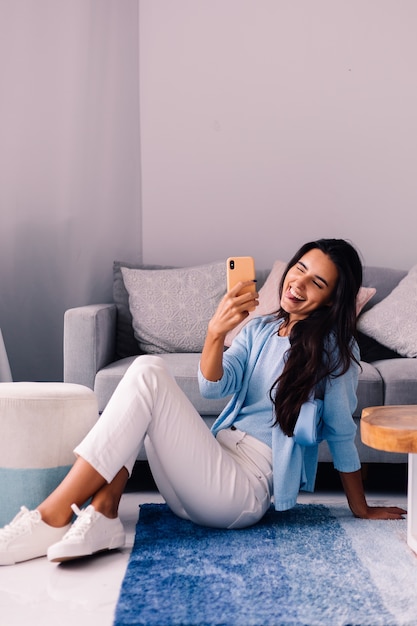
(106, 509)
(56, 519)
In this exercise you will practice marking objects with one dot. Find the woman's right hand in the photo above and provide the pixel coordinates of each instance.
(232, 309)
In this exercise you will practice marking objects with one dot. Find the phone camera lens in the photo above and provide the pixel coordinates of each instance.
(232, 265)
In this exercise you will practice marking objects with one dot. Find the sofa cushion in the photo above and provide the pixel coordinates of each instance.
(183, 366)
(365, 294)
(392, 321)
(107, 379)
(400, 380)
(171, 308)
(126, 343)
(383, 279)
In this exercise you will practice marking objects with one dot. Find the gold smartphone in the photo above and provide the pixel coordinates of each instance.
(240, 268)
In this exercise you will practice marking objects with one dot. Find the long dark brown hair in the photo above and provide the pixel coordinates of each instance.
(321, 344)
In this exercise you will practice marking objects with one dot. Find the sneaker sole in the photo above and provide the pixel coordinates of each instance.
(71, 553)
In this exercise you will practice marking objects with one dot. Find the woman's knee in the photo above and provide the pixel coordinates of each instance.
(147, 363)
(149, 360)
(149, 372)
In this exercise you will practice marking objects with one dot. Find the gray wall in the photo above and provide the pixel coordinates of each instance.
(266, 123)
(69, 166)
(263, 123)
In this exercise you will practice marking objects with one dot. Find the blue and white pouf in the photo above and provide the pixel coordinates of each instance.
(40, 425)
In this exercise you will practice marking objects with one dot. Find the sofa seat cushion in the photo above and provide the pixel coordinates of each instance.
(108, 378)
(184, 369)
(400, 380)
(182, 365)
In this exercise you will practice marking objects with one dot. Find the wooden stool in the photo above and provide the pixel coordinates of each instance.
(394, 429)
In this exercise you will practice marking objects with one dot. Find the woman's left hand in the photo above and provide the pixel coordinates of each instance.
(353, 486)
(382, 512)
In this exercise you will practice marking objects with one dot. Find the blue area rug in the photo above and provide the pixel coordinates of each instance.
(311, 565)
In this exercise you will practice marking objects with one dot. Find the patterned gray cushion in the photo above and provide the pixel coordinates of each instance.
(392, 321)
(126, 344)
(172, 307)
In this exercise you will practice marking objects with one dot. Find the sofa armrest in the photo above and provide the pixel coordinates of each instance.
(89, 342)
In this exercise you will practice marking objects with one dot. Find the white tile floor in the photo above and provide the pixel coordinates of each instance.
(39, 593)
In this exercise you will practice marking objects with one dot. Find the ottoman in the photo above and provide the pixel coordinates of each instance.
(40, 425)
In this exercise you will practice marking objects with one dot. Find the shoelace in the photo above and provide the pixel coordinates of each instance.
(85, 518)
(22, 523)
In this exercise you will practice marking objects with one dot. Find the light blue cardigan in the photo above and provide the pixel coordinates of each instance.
(294, 466)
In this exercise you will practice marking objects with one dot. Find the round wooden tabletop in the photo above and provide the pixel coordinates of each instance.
(391, 428)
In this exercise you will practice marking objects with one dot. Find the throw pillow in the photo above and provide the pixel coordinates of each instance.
(171, 308)
(269, 301)
(392, 322)
(126, 344)
(363, 297)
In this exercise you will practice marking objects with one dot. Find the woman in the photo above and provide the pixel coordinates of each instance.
(226, 477)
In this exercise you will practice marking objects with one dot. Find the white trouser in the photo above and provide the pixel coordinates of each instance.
(224, 482)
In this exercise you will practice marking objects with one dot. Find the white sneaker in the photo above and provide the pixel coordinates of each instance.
(27, 537)
(90, 533)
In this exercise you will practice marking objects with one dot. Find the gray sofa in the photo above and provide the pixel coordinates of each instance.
(99, 345)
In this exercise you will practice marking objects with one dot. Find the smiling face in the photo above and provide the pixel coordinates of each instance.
(308, 285)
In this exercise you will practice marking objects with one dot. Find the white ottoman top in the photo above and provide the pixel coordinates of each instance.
(41, 423)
